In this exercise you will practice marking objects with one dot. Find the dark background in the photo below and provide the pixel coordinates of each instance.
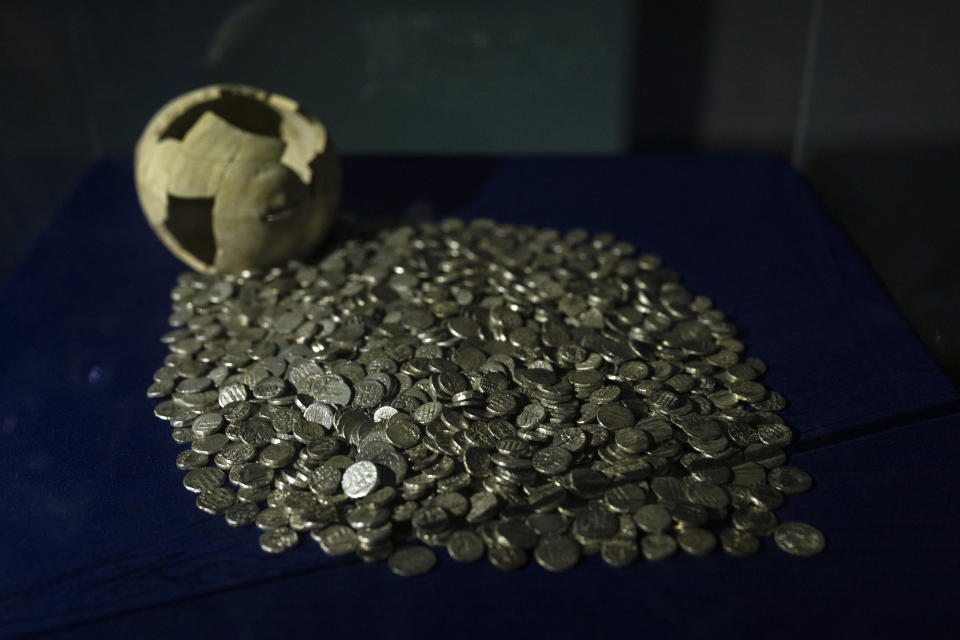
(863, 98)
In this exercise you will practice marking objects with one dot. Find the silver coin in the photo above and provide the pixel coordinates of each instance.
(207, 423)
(237, 453)
(790, 480)
(695, 541)
(766, 497)
(552, 460)
(615, 416)
(465, 546)
(190, 459)
(211, 444)
(272, 518)
(335, 391)
(270, 387)
(755, 520)
(799, 538)
(412, 561)
(203, 479)
(506, 558)
(251, 475)
(253, 495)
(557, 552)
(232, 393)
(739, 543)
(619, 551)
(278, 540)
(516, 533)
(708, 495)
(360, 479)
(325, 480)
(547, 523)
(336, 540)
(278, 455)
(241, 514)
(669, 489)
(595, 525)
(216, 500)
(321, 413)
(653, 518)
(368, 394)
(657, 546)
(402, 433)
(427, 412)
(625, 498)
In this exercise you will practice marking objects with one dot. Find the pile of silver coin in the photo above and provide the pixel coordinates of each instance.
(488, 389)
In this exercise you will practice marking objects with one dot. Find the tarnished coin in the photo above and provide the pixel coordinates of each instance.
(653, 518)
(270, 387)
(552, 460)
(625, 498)
(790, 479)
(272, 518)
(402, 433)
(739, 543)
(278, 455)
(216, 501)
(547, 523)
(207, 423)
(799, 538)
(557, 552)
(755, 520)
(669, 489)
(336, 540)
(695, 541)
(209, 445)
(241, 514)
(278, 540)
(748, 390)
(465, 546)
(360, 479)
(775, 433)
(615, 416)
(632, 440)
(587, 482)
(412, 561)
(237, 411)
(658, 546)
(324, 480)
(516, 533)
(190, 459)
(595, 525)
(767, 456)
(203, 479)
(256, 432)
(427, 412)
(707, 494)
(368, 394)
(251, 474)
(236, 453)
(619, 552)
(506, 558)
(253, 495)
(335, 390)
(766, 497)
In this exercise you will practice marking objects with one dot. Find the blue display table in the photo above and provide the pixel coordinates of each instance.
(98, 536)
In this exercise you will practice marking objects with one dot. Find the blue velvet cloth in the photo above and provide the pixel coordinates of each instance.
(98, 536)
